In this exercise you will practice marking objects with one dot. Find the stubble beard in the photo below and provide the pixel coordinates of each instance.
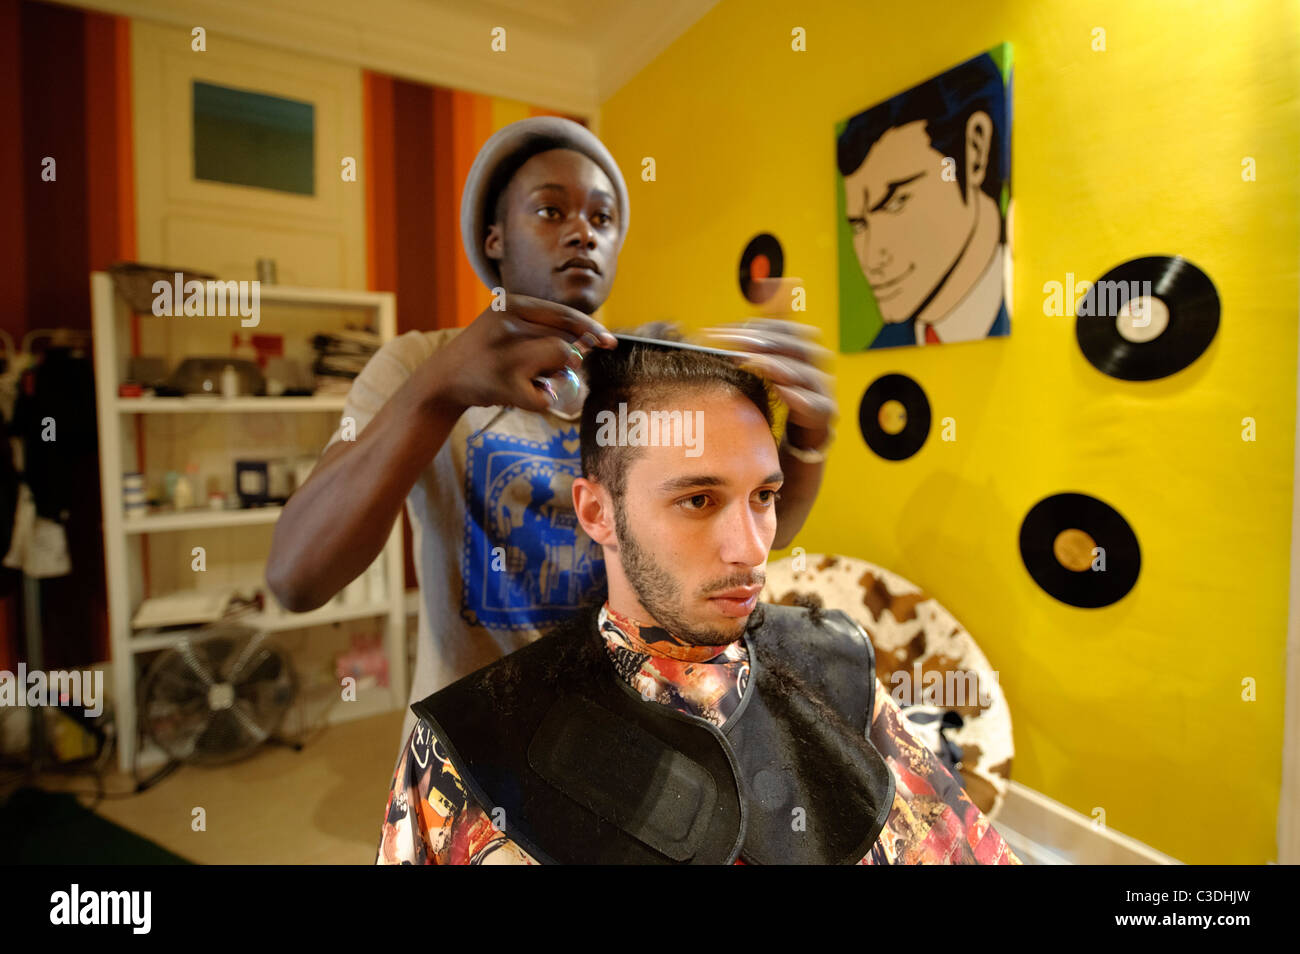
(661, 594)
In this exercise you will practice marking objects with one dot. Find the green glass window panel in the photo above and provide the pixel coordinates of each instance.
(252, 139)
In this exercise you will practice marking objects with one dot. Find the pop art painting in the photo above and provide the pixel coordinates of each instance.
(924, 208)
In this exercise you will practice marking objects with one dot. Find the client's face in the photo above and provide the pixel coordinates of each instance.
(694, 531)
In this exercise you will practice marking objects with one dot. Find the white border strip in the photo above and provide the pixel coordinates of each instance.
(1057, 834)
(1288, 803)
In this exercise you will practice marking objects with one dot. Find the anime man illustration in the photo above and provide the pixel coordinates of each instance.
(924, 177)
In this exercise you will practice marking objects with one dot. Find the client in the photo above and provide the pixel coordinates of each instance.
(679, 720)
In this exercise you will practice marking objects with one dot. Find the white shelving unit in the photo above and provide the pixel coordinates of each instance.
(124, 537)
(194, 405)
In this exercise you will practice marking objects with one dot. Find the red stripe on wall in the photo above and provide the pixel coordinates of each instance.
(102, 170)
(416, 285)
(54, 126)
(381, 194)
(13, 246)
(13, 275)
(446, 212)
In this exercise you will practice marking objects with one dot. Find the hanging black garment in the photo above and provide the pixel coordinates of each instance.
(588, 772)
(55, 417)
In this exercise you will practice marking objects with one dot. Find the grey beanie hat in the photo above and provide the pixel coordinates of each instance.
(475, 216)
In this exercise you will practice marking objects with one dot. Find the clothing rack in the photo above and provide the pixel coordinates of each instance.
(17, 361)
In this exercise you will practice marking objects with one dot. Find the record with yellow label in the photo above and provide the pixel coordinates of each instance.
(894, 416)
(1080, 550)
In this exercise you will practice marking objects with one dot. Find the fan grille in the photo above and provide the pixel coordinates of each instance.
(217, 698)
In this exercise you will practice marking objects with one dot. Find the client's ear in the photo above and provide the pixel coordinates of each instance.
(595, 509)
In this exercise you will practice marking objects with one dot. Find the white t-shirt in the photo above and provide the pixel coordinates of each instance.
(499, 555)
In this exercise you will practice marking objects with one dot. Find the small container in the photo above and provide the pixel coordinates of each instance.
(188, 488)
(229, 382)
(266, 271)
(182, 494)
(169, 486)
(251, 482)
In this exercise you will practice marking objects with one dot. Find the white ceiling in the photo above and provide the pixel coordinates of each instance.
(568, 55)
(620, 36)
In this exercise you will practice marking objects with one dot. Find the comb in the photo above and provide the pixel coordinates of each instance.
(678, 345)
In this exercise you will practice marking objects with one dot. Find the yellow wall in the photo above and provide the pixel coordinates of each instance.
(1136, 708)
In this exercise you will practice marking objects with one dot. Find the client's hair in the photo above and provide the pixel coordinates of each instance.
(645, 376)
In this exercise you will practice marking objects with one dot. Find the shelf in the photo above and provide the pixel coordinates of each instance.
(200, 519)
(146, 641)
(329, 297)
(219, 405)
(331, 612)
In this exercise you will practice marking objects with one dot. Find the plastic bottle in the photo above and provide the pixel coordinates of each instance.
(183, 493)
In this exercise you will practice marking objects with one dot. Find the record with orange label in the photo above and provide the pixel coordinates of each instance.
(1147, 318)
(894, 416)
(1080, 550)
(762, 259)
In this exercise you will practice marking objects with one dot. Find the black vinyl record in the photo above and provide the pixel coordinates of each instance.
(761, 259)
(1075, 518)
(1188, 310)
(915, 426)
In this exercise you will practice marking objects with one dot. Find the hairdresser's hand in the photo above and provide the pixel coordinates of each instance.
(787, 354)
(494, 360)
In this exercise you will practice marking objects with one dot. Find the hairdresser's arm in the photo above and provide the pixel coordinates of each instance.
(786, 354)
(803, 479)
(335, 525)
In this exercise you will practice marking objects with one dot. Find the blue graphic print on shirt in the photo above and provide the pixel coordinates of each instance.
(526, 563)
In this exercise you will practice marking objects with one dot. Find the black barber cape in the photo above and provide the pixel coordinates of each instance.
(587, 772)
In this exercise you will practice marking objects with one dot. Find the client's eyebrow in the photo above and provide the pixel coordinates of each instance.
(691, 481)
